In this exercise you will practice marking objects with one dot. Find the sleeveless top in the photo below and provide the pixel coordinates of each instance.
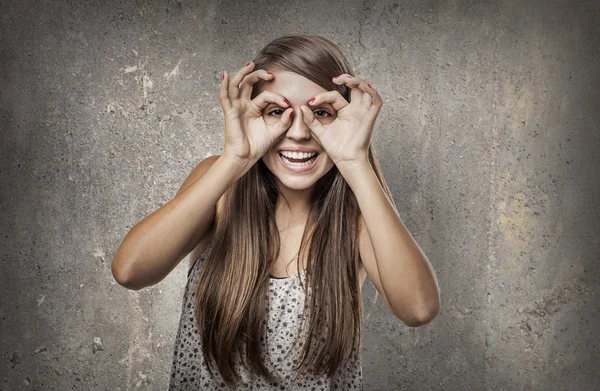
(286, 301)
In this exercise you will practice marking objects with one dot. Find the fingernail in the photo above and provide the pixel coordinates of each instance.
(312, 100)
(335, 77)
(222, 76)
(286, 102)
(248, 63)
(269, 73)
(369, 85)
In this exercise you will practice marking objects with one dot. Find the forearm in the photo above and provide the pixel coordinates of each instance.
(406, 275)
(153, 247)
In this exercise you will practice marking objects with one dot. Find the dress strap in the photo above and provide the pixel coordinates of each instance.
(192, 268)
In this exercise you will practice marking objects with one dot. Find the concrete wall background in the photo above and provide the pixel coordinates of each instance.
(488, 137)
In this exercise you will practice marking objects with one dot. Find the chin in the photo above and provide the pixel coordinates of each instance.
(296, 184)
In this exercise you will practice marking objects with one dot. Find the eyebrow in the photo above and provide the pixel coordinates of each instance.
(322, 104)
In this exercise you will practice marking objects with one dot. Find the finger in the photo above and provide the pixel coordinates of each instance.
(311, 121)
(251, 79)
(262, 100)
(234, 90)
(224, 93)
(332, 97)
(350, 82)
(360, 90)
(376, 99)
(284, 123)
(371, 96)
(361, 84)
(367, 100)
(356, 92)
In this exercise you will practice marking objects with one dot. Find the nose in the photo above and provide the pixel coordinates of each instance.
(298, 129)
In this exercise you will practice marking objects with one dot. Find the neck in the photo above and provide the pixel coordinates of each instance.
(294, 204)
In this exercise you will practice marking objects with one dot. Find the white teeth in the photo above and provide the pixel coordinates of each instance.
(304, 164)
(297, 155)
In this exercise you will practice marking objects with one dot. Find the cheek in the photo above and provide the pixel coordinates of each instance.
(270, 120)
(269, 159)
(328, 163)
(325, 158)
(265, 158)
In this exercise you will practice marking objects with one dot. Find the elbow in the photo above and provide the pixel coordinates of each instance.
(122, 276)
(421, 320)
(422, 315)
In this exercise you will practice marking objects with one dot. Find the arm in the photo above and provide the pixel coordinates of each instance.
(393, 260)
(155, 245)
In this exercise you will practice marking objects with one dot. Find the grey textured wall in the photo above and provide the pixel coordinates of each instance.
(488, 137)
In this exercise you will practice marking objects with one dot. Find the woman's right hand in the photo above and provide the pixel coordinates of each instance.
(247, 136)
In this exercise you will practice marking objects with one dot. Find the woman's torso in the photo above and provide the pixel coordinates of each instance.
(286, 301)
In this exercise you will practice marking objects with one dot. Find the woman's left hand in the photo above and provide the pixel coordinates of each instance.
(346, 140)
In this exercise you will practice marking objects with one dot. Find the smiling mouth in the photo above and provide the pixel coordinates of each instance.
(298, 165)
(291, 160)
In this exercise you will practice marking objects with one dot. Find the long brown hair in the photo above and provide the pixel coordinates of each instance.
(231, 299)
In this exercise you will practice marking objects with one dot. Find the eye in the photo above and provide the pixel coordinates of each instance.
(319, 113)
(324, 113)
(277, 112)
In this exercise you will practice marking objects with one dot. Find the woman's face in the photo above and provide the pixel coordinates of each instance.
(298, 90)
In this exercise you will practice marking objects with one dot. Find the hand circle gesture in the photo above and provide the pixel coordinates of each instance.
(247, 136)
(347, 139)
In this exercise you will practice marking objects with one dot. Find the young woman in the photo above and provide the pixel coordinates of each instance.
(281, 230)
